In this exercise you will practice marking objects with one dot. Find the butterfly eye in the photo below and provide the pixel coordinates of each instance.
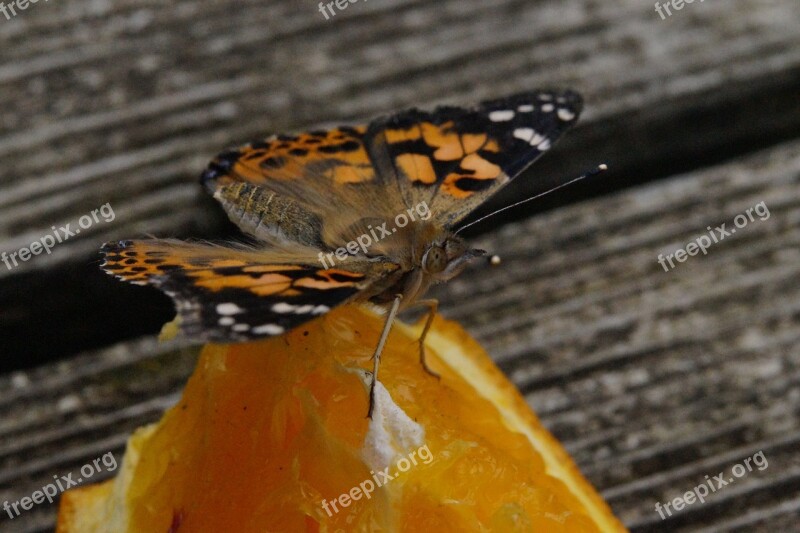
(434, 260)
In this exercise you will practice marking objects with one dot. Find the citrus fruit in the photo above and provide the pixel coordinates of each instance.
(273, 436)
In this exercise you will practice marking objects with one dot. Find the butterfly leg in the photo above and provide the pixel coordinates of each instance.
(433, 306)
(377, 355)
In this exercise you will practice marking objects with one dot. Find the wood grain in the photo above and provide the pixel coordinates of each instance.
(126, 104)
(651, 379)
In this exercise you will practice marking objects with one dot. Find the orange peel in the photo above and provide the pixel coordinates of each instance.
(268, 432)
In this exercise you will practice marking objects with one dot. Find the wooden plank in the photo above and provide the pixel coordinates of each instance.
(205, 76)
(131, 115)
(651, 379)
(55, 417)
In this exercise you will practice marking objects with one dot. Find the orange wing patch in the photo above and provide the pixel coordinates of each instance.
(337, 155)
(417, 167)
(225, 294)
(396, 136)
(430, 154)
(142, 261)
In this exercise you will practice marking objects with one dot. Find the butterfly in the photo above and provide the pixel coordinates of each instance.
(364, 213)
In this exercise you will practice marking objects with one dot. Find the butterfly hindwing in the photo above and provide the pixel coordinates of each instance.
(229, 295)
(326, 176)
(326, 161)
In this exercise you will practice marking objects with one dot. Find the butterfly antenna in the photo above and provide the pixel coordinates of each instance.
(593, 172)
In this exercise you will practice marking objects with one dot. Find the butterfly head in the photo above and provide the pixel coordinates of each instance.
(445, 260)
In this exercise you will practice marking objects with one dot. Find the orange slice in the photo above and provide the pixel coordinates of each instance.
(272, 436)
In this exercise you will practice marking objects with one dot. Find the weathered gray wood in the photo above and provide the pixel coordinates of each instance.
(57, 418)
(126, 103)
(652, 379)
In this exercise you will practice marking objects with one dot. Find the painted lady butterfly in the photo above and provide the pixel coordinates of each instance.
(306, 195)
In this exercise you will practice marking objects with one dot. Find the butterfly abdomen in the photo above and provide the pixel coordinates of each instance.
(267, 215)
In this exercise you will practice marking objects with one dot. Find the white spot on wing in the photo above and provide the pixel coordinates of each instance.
(226, 321)
(536, 139)
(524, 133)
(318, 310)
(548, 108)
(283, 307)
(565, 114)
(240, 327)
(268, 329)
(526, 108)
(229, 309)
(501, 116)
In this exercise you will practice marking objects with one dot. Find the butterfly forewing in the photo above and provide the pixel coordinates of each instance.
(454, 159)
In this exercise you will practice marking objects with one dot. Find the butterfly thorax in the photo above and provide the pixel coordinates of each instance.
(426, 255)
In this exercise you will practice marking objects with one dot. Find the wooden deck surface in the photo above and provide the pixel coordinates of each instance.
(651, 379)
